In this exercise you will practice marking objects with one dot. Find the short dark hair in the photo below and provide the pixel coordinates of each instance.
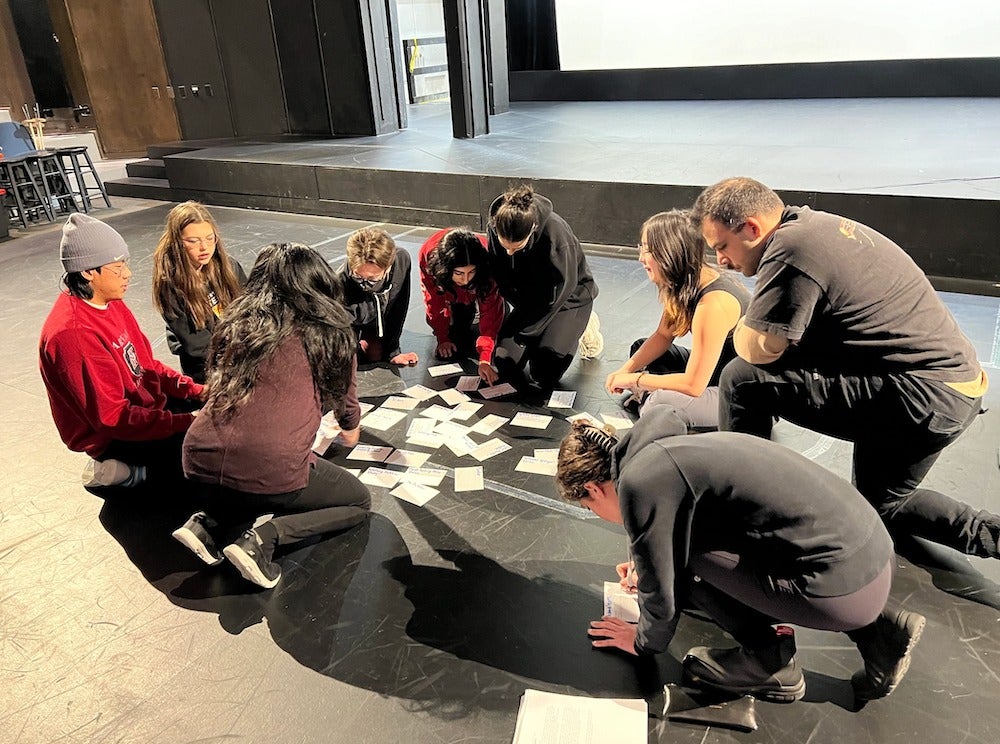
(732, 201)
(78, 285)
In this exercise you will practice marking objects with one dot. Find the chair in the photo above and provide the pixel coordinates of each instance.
(28, 201)
(36, 177)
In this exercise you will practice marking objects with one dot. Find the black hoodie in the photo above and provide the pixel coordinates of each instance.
(550, 273)
(791, 521)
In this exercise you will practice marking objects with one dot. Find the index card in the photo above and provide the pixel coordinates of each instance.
(464, 411)
(489, 449)
(356, 472)
(490, 423)
(534, 465)
(329, 429)
(370, 452)
(562, 399)
(453, 397)
(619, 422)
(365, 407)
(461, 446)
(620, 603)
(451, 429)
(400, 402)
(504, 388)
(445, 369)
(420, 392)
(437, 412)
(414, 493)
(421, 426)
(408, 458)
(530, 420)
(469, 479)
(379, 477)
(547, 454)
(382, 419)
(585, 417)
(468, 383)
(426, 476)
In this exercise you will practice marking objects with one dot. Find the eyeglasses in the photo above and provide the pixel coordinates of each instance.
(367, 282)
(643, 248)
(207, 240)
(118, 268)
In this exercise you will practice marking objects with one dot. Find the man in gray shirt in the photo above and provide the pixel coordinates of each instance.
(846, 336)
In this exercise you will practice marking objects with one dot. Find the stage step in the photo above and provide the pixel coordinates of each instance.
(150, 168)
(141, 188)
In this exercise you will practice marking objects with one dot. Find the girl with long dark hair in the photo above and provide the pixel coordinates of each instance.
(281, 356)
(194, 280)
(540, 268)
(462, 302)
(696, 299)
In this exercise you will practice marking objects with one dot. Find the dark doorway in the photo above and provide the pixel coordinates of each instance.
(42, 57)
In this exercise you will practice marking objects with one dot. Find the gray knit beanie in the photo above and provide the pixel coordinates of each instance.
(88, 243)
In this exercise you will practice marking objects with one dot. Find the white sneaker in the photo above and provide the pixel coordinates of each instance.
(591, 342)
(98, 473)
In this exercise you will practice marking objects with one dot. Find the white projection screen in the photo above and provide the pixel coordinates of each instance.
(636, 34)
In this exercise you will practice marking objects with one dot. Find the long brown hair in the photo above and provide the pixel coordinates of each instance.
(178, 285)
(516, 214)
(678, 249)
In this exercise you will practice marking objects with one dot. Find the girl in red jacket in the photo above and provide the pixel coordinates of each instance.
(463, 305)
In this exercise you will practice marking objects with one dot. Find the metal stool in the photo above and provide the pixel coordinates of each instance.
(49, 174)
(71, 155)
(29, 201)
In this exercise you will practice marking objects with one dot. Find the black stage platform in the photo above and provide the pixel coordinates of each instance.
(427, 624)
(924, 171)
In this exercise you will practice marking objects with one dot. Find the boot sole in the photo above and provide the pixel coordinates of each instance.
(784, 694)
(907, 637)
(248, 567)
(190, 541)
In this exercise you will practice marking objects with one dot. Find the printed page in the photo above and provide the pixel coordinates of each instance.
(562, 399)
(551, 718)
(445, 369)
(531, 420)
(534, 465)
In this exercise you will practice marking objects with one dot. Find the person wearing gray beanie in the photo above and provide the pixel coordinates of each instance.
(109, 396)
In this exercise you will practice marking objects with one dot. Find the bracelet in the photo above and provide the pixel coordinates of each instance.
(637, 379)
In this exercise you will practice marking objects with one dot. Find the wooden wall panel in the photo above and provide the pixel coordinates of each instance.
(15, 86)
(121, 59)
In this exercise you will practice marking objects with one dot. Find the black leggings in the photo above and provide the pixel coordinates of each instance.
(334, 500)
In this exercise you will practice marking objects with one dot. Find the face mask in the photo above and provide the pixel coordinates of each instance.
(370, 285)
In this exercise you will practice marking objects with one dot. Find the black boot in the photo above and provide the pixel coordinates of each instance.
(768, 672)
(885, 646)
(987, 541)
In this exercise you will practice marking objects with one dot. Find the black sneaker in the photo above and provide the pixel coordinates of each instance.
(194, 535)
(987, 544)
(886, 652)
(247, 554)
(740, 671)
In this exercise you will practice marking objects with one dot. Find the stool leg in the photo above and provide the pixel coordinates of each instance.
(46, 195)
(81, 183)
(16, 193)
(31, 186)
(97, 178)
(62, 188)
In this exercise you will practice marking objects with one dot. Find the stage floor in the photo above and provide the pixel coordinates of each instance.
(427, 624)
(943, 147)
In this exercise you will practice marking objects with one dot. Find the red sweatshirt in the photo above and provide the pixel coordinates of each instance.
(438, 302)
(102, 380)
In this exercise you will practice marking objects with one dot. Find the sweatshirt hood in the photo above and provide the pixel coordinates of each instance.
(658, 423)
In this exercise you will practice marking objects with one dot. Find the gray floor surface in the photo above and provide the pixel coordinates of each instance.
(428, 624)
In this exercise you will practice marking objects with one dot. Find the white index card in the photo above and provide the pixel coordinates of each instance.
(464, 411)
(562, 399)
(426, 476)
(414, 493)
(547, 454)
(534, 465)
(382, 419)
(437, 412)
(420, 392)
(370, 452)
(379, 477)
(445, 369)
(453, 397)
(489, 449)
(504, 388)
(619, 422)
(620, 603)
(469, 479)
(400, 402)
(407, 458)
(531, 420)
(490, 423)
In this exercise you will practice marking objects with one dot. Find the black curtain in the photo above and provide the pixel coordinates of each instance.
(532, 41)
